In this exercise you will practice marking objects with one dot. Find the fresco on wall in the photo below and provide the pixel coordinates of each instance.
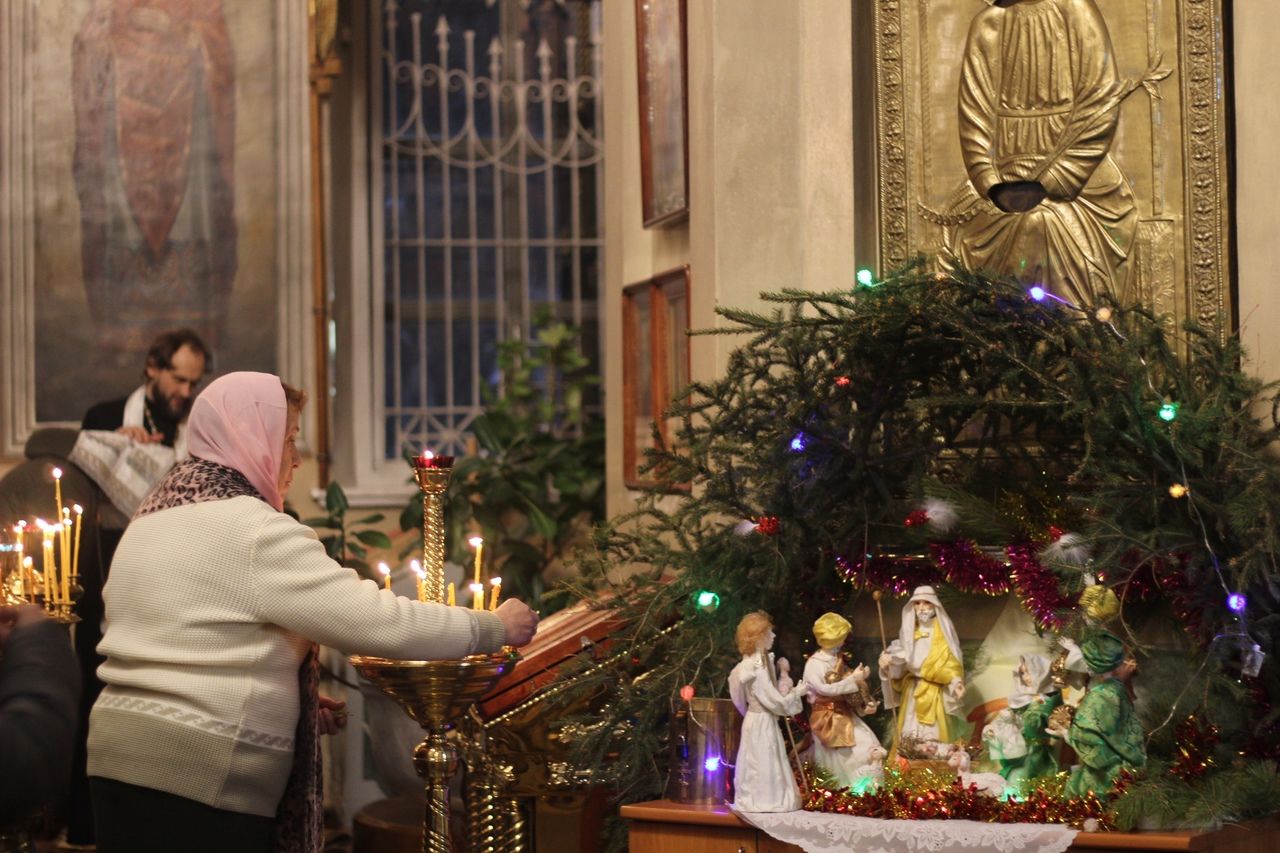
(155, 198)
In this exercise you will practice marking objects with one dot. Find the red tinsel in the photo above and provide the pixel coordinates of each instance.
(1194, 740)
(967, 568)
(964, 566)
(1037, 587)
(958, 802)
(916, 518)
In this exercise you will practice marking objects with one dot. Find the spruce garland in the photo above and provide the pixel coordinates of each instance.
(841, 412)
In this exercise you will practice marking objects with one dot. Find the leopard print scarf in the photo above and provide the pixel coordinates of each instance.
(194, 481)
(300, 815)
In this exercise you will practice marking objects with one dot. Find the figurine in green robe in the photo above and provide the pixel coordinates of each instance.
(1033, 699)
(1105, 732)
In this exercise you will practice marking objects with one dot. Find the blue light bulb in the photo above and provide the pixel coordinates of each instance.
(712, 764)
(1237, 602)
(1037, 293)
(799, 442)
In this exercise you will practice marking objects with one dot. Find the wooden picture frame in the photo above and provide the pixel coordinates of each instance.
(655, 367)
(662, 76)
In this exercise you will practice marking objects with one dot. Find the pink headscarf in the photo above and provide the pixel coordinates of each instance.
(239, 421)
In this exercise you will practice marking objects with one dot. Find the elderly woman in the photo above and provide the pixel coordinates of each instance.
(205, 737)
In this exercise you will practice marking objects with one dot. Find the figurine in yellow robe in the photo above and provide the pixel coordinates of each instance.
(922, 672)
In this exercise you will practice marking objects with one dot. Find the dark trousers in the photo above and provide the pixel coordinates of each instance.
(131, 819)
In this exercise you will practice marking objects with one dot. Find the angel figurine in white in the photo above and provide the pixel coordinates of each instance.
(843, 744)
(762, 777)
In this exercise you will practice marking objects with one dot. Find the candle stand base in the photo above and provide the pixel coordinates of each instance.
(436, 694)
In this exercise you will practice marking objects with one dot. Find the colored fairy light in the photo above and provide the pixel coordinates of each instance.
(1168, 412)
(712, 764)
(708, 600)
(1237, 602)
(1037, 293)
(799, 443)
(1177, 490)
(865, 278)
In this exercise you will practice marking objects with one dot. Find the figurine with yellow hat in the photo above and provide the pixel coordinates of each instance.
(843, 744)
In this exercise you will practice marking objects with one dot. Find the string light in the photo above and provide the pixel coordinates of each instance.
(865, 278)
(1037, 293)
(799, 443)
(1177, 490)
(1237, 602)
(712, 764)
(1168, 412)
(708, 600)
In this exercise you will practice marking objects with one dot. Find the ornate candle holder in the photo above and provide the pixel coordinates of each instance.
(435, 693)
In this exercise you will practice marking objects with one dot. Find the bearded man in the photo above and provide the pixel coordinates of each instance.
(156, 412)
(922, 672)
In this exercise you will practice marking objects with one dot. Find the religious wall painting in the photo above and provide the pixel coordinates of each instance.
(154, 159)
(1075, 144)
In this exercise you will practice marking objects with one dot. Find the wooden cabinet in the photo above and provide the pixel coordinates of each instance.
(662, 826)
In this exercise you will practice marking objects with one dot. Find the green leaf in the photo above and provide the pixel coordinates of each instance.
(335, 499)
(374, 538)
(542, 522)
(372, 519)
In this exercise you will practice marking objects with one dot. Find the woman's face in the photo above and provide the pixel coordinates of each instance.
(289, 457)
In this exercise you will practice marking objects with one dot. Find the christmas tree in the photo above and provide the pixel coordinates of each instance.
(959, 430)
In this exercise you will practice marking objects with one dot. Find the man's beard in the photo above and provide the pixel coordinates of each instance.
(170, 409)
(926, 618)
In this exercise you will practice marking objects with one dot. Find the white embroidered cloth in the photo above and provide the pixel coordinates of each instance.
(125, 470)
(816, 832)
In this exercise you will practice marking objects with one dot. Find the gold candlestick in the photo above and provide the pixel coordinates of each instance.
(432, 475)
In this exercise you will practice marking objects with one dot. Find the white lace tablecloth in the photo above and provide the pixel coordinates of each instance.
(827, 833)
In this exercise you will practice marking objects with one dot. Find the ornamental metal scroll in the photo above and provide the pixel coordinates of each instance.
(1079, 144)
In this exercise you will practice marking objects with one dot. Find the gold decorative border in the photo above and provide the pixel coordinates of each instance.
(891, 135)
(1204, 139)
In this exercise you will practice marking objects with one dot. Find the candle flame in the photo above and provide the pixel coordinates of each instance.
(57, 473)
(384, 568)
(79, 509)
(495, 581)
(476, 541)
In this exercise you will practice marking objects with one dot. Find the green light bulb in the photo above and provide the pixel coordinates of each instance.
(1168, 412)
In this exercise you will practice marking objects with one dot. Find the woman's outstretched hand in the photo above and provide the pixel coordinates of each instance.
(333, 716)
(520, 622)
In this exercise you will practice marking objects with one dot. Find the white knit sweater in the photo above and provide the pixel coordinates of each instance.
(210, 608)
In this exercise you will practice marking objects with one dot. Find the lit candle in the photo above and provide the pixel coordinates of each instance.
(478, 543)
(75, 556)
(477, 596)
(386, 575)
(422, 579)
(29, 581)
(453, 595)
(494, 592)
(57, 493)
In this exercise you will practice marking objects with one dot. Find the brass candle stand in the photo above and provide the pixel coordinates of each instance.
(435, 693)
